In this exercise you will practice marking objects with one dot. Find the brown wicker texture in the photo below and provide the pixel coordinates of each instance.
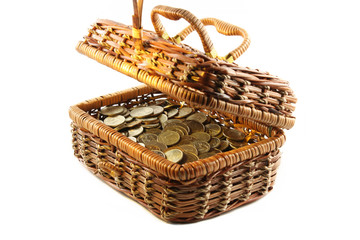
(186, 74)
(173, 192)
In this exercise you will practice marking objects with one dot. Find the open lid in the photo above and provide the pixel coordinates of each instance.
(200, 79)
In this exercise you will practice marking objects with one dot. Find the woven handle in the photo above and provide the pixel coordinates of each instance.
(176, 14)
(225, 29)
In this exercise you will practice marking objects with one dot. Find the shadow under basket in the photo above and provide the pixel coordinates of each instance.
(175, 193)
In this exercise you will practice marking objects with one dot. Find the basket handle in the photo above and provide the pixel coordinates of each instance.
(176, 14)
(225, 29)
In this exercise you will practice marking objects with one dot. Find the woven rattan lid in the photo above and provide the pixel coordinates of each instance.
(200, 79)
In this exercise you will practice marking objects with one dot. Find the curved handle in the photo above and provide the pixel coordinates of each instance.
(176, 14)
(225, 29)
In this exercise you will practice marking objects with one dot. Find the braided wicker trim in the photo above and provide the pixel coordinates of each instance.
(183, 173)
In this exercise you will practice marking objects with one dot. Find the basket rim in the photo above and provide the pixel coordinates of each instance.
(183, 94)
(186, 172)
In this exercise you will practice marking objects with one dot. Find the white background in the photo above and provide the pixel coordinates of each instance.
(47, 194)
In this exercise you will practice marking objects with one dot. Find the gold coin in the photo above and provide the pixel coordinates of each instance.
(155, 125)
(135, 131)
(156, 131)
(199, 117)
(223, 145)
(195, 126)
(177, 128)
(184, 112)
(189, 148)
(236, 144)
(147, 137)
(187, 139)
(157, 110)
(129, 119)
(162, 118)
(201, 136)
(169, 138)
(133, 123)
(234, 134)
(133, 139)
(171, 121)
(190, 157)
(113, 110)
(152, 147)
(202, 147)
(114, 121)
(160, 153)
(214, 142)
(150, 120)
(178, 124)
(141, 112)
(156, 145)
(213, 129)
(120, 127)
(172, 112)
(174, 155)
(206, 155)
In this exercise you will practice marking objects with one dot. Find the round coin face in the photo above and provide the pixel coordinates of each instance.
(114, 121)
(163, 118)
(113, 110)
(206, 155)
(160, 153)
(199, 117)
(195, 126)
(201, 136)
(141, 112)
(223, 145)
(147, 137)
(213, 129)
(234, 134)
(133, 123)
(172, 112)
(157, 110)
(135, 131)
(202, 147)
(214, 142)
(174, 155)
(169, 138)
(190, 157)
(189, 148)
(184, 112)
(154, 145)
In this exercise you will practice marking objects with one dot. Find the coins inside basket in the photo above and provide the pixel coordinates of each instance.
(175, 131)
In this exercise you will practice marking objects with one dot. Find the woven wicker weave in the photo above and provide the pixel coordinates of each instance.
(176, 193)
(186, 74)
(233, 95)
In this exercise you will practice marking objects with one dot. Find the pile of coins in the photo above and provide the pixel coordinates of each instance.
(179, 133)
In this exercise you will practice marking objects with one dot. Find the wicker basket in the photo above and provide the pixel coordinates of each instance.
(241, 97)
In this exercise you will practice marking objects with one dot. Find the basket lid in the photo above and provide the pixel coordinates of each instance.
(200, 79)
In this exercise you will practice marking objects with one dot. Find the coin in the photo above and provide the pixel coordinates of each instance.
(172, 112)
(141, 112)
(234, 134)
(169, 138)
(134, 123)
(178, 124)
(195, 126)
(189, 148)
(158, 145)
(236, 144)
(162, 118)
(174, 155)
(190, 157)
(214, 142)
(133, 139)
(160, 153)
(184, 112)
(213, 129)
(135, 131)
(155, 125)
(201, 136)
(177, 128)
(202, 147)
(223, 145)
(206, 155)
(113, 110)
(150, 120)
(199, 116)
(156, 131)
(114, 121)
(147, 137)
(187, 139)
(128, 119)
(156, 110)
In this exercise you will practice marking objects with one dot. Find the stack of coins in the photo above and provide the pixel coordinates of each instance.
(179, 133)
